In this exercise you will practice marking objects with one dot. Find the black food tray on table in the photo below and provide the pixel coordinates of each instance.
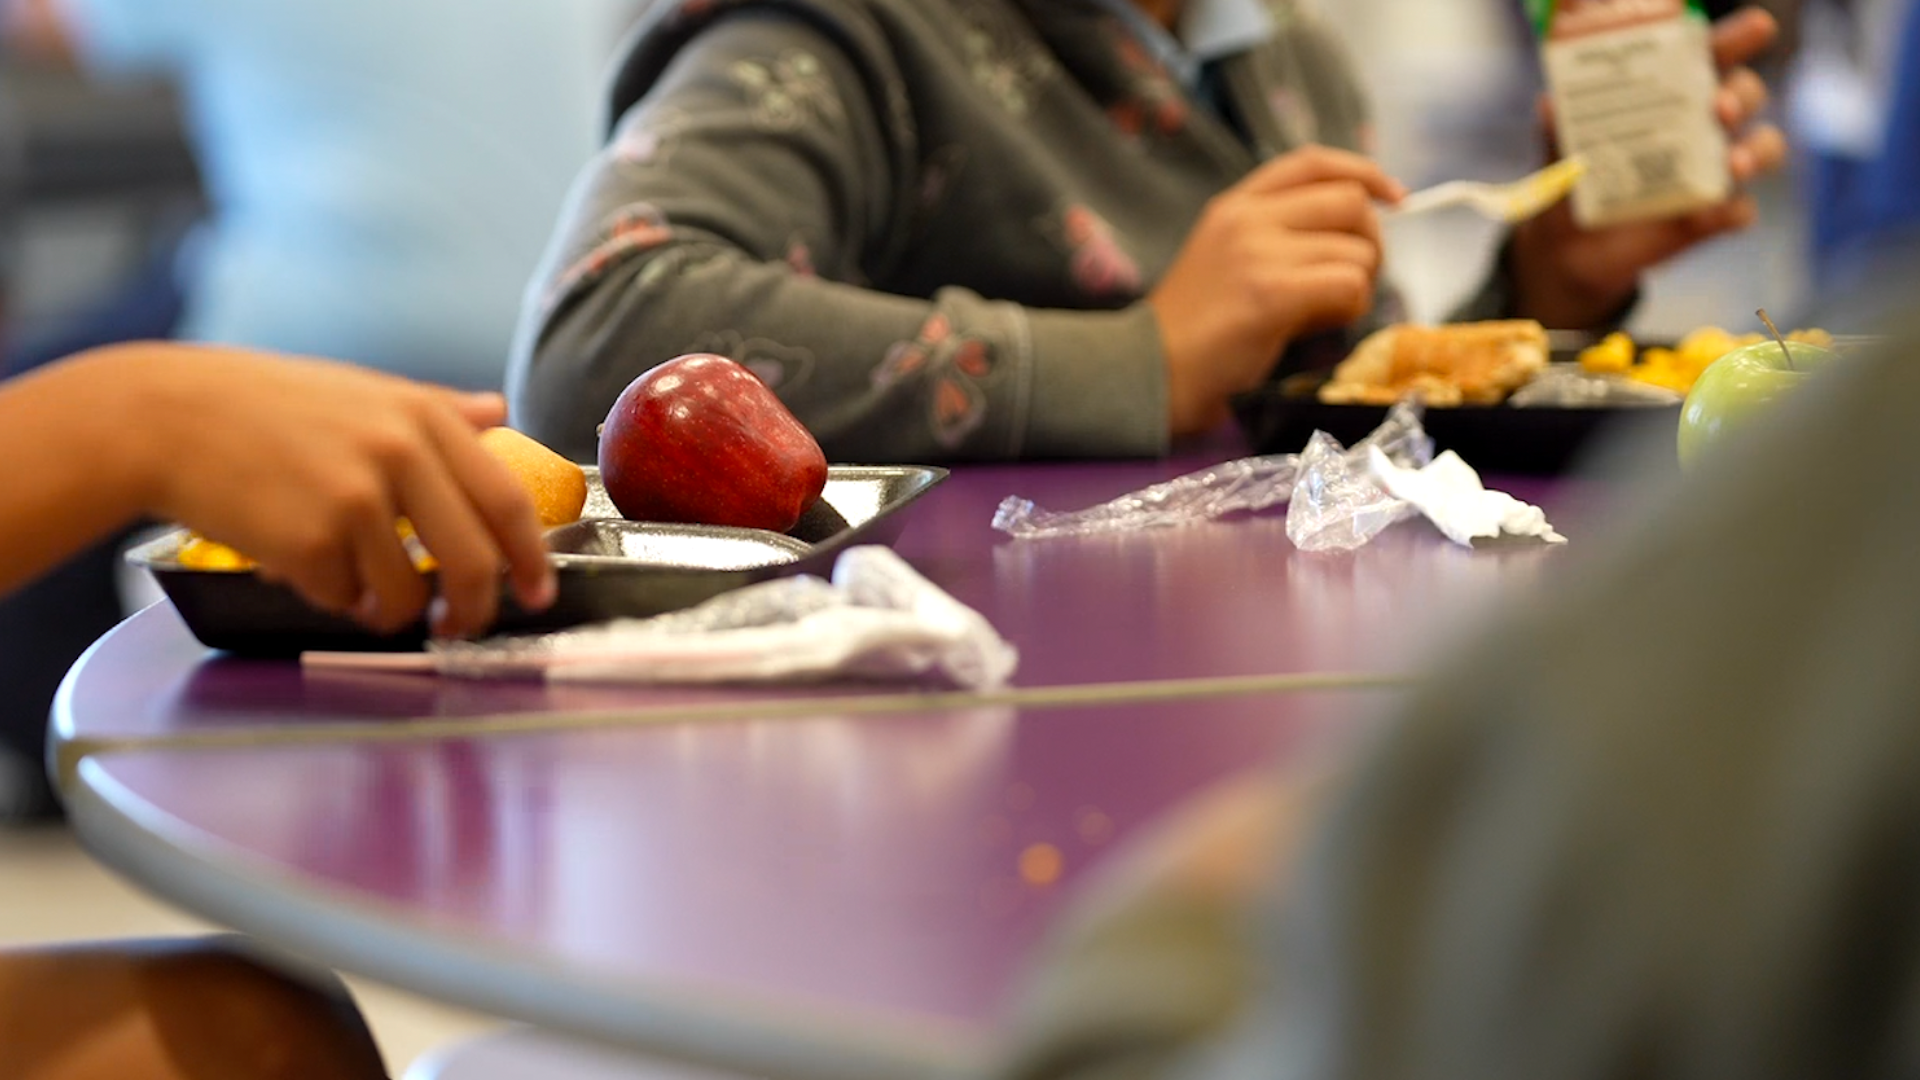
(607, 567)
(1282, 415)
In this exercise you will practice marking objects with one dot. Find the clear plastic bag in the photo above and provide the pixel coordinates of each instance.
(878, 618)
(1242, 485)
(1336, 504)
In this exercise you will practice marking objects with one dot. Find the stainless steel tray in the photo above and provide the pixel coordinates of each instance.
(608, 567)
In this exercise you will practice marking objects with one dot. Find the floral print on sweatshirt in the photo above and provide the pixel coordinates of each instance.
(1099, 266)
(1154, 101)
(632, 229)
(1004, 58)
(788, 91)
(960, 366)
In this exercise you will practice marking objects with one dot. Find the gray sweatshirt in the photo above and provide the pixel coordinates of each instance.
(928, 224)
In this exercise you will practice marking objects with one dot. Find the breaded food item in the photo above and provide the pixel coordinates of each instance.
(558, 486)
(1463, 364)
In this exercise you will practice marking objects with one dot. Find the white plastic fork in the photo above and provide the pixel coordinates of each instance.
(1511, 202)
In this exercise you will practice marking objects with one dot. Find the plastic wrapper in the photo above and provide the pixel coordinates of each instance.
(1242, 485)
(1336, 504)
(877, 619)
(1567, 386)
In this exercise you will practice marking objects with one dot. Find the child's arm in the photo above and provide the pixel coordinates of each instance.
(304, 465)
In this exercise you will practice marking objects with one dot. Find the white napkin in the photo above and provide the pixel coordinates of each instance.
(1449, 493)
(877, 619)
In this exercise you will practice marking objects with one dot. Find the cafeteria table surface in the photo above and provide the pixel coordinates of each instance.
(835, 882)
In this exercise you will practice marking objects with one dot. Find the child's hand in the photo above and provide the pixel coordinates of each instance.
(1572, 278)
(1293, 248)
(305, 466)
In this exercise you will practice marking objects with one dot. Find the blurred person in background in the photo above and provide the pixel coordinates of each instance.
(105, 187)
(382, 176)
(1011, 228)
(1855, 108)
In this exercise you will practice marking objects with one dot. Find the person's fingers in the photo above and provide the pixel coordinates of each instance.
(506, 510)
(1764, 150)
(316, 552)
(482, 410)
(1743, 35)
(1742, 96)
(1330, 207)
(1329, 247)
(394, 590)
(320, 567)
(1328, 294)
(469, 562)
(1320, 164)
(509, 514)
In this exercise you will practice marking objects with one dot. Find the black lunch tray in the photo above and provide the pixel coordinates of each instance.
(1279, 418)
(607, 567)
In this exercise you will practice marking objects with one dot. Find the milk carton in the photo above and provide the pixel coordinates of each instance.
(1633, 87)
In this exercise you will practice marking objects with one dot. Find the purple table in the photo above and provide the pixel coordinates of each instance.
(1232, 598)
(820, 896)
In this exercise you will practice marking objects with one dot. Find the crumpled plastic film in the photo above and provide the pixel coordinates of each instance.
(877, 619)
(1241, 485)
(1336, 504)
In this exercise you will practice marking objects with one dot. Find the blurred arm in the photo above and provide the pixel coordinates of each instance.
(76, 463)
(304, 465)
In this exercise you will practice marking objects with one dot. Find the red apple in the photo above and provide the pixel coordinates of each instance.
(700, 439)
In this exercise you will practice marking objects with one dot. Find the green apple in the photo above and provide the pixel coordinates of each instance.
(1740, 384)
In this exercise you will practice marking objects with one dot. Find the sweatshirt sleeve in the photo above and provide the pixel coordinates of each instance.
(741, 206)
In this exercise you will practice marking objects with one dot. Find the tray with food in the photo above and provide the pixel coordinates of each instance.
(1507, 396)
(607, 567)
(704, 484)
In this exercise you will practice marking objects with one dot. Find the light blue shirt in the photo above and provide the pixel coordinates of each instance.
(384, 173)
(1207, 31)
